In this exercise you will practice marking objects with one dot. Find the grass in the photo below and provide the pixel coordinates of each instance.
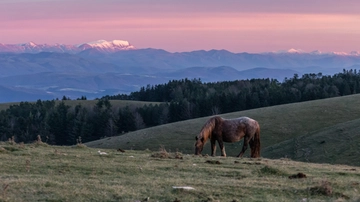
(338, 144)
(282, 124)
(39, 172)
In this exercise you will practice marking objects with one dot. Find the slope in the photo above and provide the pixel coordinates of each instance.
(278, 124)
(338, 144)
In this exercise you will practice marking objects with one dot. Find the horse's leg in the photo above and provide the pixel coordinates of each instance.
(213, 147)
(221, 145)
(252, 147)
(246, 142)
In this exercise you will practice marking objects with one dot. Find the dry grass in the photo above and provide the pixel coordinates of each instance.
(52, 173)
(162, 153)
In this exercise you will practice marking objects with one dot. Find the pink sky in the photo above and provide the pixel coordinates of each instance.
(186, 25)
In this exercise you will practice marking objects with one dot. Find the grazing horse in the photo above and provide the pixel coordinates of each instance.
(230, 130)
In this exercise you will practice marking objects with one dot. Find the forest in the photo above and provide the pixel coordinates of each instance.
(60, 124)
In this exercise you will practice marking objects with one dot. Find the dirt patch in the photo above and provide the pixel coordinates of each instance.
(120, 150)
(323, 189)
(297, 176)
(212, 162)
(162, 153)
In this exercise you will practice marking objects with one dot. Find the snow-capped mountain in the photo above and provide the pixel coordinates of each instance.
(316, 52)
(100, 46)
(103, 46)
(107, 46)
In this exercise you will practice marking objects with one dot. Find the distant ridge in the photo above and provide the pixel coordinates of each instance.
(104, 46)
(100, 45)
(102, 67)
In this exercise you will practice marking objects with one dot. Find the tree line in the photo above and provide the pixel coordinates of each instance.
(58, 123)
(192, 98)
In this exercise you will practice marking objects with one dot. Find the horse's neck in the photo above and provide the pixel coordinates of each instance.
(208, 130)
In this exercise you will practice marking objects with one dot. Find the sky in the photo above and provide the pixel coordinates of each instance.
(185, 25)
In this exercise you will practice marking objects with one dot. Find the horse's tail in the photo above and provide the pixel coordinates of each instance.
(255, 149)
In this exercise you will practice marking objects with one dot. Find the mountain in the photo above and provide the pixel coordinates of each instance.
(27, 63)
(107, 46)
(99, 68)
(100, 45)
(157, 60)
(32, 47)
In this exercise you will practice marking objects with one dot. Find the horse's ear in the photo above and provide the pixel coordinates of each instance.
(196, 138)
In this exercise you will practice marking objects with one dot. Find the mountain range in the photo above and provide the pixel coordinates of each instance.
(32, 71)
(100, 45)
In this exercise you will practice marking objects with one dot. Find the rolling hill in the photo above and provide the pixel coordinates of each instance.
(313, 127)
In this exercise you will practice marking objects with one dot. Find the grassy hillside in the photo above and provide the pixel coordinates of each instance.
(338, 144)
(90, 103)
(38, 172)
(278, 124)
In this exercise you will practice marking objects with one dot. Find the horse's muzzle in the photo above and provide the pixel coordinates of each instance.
(198, 151)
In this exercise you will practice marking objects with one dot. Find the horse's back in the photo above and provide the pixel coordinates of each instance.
(250, 124)
(246, 120)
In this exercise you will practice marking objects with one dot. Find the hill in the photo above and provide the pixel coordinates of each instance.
(304, 121)
(39, 172)
(338, 144)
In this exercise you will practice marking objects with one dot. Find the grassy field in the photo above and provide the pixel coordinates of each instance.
(39, 172)
(317, 131)
(90, 103)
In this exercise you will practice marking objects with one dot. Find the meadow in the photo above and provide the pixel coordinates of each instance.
(39, 172)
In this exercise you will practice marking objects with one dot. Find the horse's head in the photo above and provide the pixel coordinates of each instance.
(199, 145)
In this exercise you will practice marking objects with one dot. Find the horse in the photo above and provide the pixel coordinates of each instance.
(229, 130)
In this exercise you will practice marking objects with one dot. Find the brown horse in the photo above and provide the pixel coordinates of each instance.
(230, 130)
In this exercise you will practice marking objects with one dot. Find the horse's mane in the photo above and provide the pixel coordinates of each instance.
(208, 127)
